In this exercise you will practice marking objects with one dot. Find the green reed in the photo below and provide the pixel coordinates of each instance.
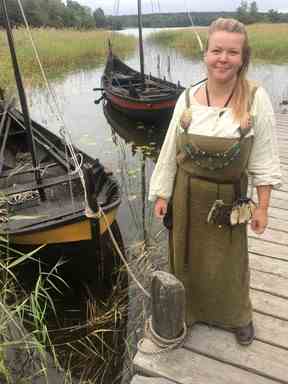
(269, 42)
(60, 51)
(28, 332)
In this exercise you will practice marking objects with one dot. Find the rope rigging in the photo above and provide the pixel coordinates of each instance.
(64, 133)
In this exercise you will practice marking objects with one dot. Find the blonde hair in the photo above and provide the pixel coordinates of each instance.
(241, 96)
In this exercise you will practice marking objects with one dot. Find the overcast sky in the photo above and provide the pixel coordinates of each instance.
(129, 6)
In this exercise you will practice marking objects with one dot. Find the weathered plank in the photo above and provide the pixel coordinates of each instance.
(266, 282)
(269, 304)
(271, 330)
(278, 224)
(278, 213)
(270, 265)
(268, 249)
(270, 235)
(150, 380)
(260, 358)
(186, 367)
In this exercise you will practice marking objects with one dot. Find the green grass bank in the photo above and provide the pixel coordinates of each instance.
(269, 42)
(60, 51)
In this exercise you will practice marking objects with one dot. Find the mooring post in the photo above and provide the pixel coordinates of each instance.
(168, 305)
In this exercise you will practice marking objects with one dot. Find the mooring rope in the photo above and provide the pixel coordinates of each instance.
(164, 344)
(161, 342)
(129, 270)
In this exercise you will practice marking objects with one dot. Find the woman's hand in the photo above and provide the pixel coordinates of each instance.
(259, 220)
(160, 207)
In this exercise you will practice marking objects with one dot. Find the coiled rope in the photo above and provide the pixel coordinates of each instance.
(164, 344)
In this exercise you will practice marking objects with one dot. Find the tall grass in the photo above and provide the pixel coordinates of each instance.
(269, 42)
(31, 326)
(60, 51)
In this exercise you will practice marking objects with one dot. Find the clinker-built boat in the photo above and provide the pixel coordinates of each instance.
(51, 192)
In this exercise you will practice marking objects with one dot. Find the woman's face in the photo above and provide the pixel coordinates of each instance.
(224, 56)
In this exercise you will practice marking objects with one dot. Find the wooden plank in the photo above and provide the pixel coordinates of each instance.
(270, 330)
(269, 304)
(50, 182)
(260, 358)
(150, 380)
(187, 367)
(270, 265)
(278, 213)
(271, 235)
(278, 224)
(268, 249)
(269, 283)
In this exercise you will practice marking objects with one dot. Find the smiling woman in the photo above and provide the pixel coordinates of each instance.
(222, 128)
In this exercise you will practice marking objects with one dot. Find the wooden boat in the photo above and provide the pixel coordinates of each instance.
(138, 95)
(47, 196)
(150, 99)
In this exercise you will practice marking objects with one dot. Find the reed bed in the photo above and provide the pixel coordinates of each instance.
(269, 42)
(89, 347)
(60, 51)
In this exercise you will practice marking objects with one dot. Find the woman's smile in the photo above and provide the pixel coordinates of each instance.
(224, 55)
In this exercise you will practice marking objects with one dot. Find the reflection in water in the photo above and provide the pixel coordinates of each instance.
(145, 138)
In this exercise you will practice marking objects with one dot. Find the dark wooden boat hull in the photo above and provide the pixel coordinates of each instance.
(123, 87)
(24, 217)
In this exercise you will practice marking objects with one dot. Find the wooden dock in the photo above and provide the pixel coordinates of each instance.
(212, 356)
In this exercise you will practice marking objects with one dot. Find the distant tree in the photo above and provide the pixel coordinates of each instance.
(253, 12)
(100, 18)
(77, 16)
(13, 12)
(242, 12)
(33, 13)
(274, 16)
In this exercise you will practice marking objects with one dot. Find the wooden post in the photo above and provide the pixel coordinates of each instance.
(168, 305)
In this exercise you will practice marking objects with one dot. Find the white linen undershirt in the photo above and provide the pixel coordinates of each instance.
(264, 163)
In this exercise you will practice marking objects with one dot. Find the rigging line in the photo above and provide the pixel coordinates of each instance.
(63, 131)
(158, 3)
(193, 28)
(129, 270)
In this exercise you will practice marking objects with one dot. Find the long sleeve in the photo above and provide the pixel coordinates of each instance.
(264, 163)
(162, 179)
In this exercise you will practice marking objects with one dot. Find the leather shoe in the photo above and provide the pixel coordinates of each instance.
(245, 335)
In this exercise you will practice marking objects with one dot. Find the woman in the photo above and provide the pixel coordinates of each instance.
(221, 128)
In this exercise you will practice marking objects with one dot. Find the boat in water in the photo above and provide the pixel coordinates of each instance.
(51, 192)
(139, 96)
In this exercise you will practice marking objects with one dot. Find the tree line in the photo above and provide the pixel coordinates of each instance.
(53, 13)
(57, 14)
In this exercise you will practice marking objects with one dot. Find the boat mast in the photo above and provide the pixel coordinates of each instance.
(22, 97)
(140, 41)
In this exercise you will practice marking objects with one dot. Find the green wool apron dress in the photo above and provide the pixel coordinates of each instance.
(210, 260)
